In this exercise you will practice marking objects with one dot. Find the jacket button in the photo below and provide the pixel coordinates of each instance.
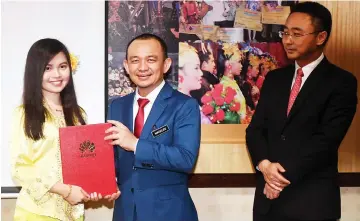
(283, 137)
(132, 190)
(134, 168)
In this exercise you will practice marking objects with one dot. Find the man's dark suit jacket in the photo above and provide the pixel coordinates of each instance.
(306, 142)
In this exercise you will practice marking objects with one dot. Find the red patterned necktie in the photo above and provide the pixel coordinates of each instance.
(139, 120)
(295, 89)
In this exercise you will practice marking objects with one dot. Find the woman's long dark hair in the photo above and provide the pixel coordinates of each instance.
(244, 70)
(220, 63)
(39, 55)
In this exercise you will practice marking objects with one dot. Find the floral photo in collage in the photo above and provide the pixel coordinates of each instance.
(221, 50)
(226, 50)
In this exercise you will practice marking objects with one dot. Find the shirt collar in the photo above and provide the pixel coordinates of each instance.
(307, 69)
(152, 95)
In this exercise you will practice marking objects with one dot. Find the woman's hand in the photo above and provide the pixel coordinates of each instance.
(76, 195)
(72, 194)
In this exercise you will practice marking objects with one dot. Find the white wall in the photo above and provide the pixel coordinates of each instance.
(80, 26)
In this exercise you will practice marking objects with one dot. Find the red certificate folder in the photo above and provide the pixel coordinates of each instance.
(88, 159)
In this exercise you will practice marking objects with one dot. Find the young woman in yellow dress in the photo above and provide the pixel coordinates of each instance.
(49, 102)
(232, 67)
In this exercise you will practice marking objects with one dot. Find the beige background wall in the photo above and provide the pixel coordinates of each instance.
(344, 50)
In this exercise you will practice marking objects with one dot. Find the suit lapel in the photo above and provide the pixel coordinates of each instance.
(156, 111)
(284, 93)
(128, 111)
(309, 86)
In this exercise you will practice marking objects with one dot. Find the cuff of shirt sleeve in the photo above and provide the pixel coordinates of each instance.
(41, 185)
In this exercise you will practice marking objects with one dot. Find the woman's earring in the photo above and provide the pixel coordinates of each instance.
(181, 79)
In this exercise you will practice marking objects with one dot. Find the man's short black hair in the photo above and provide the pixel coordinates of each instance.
(204, 57)
(147, 36)
(321, 16)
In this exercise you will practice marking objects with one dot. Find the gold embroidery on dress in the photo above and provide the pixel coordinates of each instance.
(62, 210)
(66, 207)
(70, 212)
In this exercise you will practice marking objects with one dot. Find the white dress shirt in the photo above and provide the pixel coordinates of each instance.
(151, 97)
(307, 70)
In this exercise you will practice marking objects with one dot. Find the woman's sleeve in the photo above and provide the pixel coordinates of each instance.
(28, 170)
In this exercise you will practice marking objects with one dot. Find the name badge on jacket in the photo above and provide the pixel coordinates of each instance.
(160, 131)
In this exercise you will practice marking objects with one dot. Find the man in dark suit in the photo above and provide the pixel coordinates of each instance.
(156, 134)
(303, 115)
(207, 65)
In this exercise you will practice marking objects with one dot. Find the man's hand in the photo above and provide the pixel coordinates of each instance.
(272, 176)
(270, 192)
(113, 196)
(121, 135)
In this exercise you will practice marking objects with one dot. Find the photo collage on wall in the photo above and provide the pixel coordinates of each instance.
(128, 19)
(221, 50)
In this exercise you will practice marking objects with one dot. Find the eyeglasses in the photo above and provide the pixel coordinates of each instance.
(283, 34)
